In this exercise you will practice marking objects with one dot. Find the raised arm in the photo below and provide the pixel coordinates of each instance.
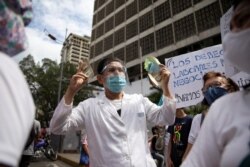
(59, 122)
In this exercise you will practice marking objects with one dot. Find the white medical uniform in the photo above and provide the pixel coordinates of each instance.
(223, 140)
(113, 140)
(17, 111)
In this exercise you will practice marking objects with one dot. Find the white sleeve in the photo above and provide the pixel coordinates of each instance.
(161, 115)
(17, 112)
(205, 151)
(66, 119)
(195, 128)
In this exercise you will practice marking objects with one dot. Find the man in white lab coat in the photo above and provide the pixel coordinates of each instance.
(116, 122)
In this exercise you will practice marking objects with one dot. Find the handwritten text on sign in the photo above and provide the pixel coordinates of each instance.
(187, 71)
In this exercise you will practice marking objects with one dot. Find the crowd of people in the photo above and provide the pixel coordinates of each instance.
(116, 122)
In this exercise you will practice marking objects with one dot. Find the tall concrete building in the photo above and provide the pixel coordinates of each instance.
(162, 28)
(75, 48)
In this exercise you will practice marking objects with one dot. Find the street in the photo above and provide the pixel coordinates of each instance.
(44, 162)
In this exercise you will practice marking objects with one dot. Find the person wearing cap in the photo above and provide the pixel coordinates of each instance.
(224, 138)
(115, 122)
(16, 104)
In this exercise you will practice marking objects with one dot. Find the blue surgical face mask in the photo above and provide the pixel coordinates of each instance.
(116, 83)
(214, 93)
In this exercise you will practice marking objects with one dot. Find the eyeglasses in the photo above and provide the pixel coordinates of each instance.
(113, 69)
(213, 84)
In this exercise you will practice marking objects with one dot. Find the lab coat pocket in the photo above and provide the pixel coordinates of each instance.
(140, 114)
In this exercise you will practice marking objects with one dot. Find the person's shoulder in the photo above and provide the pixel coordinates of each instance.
(197, 117)
(231, 103)
(189, 117)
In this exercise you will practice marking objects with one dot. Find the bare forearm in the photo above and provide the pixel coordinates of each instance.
(189, 146)
(167, 92)
(69, 97)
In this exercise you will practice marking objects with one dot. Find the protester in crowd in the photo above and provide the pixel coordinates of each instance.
(17, 107)
(178, 138)
(29, 151)
(225, 134)
(116, 122)
(157, 144)
(84, 151)
(215, 85)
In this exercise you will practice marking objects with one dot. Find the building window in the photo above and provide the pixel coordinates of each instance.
(144, 4)
(132, 51)
(120, 54)
(109, 55)
(120, 17)
(93, 35)
(146, 21)
(110, 8)
(99, 30)
(134, 72)
(101, 2)
(180, 5)
(119, 3)
(162, 58)
(208, 17)
(147, 44)
(94, 19)
(119, 36)
(225, 5)
(109, 24)
(99, 48)
(101, 14)
(164, 37)
(197, 1)
(96, 5)
(94, 66)
(131, 9)
(92, 53)
(131, 29)
(162, 12)
(184, 27)
(108, 42)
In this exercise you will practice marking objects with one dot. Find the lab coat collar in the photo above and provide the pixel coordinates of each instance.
(107, 106)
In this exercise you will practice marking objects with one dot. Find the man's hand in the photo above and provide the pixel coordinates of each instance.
(165, 76)
(76, 83)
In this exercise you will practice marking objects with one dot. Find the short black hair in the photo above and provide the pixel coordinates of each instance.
(105, 62)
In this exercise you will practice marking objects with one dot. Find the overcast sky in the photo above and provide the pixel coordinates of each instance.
(56, 16)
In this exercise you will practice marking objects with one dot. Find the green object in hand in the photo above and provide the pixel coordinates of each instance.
(151, 65)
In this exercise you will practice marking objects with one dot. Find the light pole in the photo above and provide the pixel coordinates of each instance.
(65, 43)
(62, 60)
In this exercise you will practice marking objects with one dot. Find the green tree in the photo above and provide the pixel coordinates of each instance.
(44, 81)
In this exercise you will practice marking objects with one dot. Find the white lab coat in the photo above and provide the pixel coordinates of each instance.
(223, 140)
(115, 141)
(17, 111)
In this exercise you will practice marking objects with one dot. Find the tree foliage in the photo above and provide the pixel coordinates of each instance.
(43, 80)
